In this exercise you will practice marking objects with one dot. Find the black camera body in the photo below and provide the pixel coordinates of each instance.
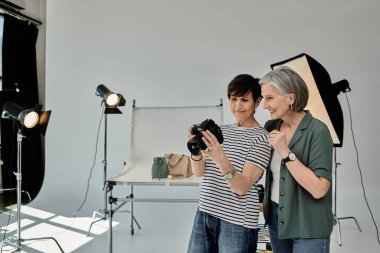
(196, 144)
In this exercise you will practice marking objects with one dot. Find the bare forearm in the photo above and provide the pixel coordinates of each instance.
(316, 186)
(241, 183)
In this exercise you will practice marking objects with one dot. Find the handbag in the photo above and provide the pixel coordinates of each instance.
(159, 168)
(179, 165)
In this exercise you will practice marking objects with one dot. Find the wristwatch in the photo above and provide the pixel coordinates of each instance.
(229, 175)
(291, 157)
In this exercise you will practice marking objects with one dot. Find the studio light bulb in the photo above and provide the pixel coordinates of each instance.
(31, 119)
(112, 100)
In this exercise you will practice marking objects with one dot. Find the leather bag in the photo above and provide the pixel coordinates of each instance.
(179, 165)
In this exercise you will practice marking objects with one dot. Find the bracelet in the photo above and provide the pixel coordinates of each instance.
(197, 160)
(229, 175)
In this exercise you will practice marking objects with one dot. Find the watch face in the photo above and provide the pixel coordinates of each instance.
(292, 157)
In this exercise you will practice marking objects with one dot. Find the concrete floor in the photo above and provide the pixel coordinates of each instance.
(165, 228)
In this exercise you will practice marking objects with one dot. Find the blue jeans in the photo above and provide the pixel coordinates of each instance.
(317, 245)
(213, 235)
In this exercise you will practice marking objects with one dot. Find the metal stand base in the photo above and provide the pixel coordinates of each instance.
(17, 242)
(104, 213)
(132, 217)
(102, 216)
(337, 222)
(336, 218)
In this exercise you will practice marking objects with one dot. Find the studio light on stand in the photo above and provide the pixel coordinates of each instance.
(111, 101)
(323, 105)
(32, 118)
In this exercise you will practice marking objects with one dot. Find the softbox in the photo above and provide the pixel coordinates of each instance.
(323, 102)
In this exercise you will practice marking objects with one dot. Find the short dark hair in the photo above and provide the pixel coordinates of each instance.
(242, 84)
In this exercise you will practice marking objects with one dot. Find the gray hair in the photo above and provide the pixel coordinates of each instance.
(287, 81)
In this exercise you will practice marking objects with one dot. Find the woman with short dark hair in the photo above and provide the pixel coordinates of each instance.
(227, 217)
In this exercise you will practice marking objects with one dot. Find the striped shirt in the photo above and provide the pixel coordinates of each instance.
(216, 198)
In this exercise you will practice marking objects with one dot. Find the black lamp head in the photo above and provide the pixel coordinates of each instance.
(111, 99)
(341, 86)
(29, 118)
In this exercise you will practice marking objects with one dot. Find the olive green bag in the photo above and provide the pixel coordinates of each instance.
(160, 168)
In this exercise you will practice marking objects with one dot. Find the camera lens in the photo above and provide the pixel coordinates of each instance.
(195, 145)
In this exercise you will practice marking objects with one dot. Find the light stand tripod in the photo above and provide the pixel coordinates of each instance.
(16, 242)
(11, 189)
(104, 212)
(336, 218)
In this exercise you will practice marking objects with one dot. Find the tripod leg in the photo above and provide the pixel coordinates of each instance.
(337, 221)
(351, 217)
(339, 232)
(95, 214)
(18, 244)
(92, 223)
(110, 216)
(13, 242)
(131, 212)
(103, 213)
(45, 238)
(131, 219)
(138, 225)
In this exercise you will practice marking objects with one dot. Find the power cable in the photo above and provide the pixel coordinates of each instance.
(360, 170)
(89, 178)
(92, 167)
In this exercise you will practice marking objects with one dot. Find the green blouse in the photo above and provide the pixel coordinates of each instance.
(299, 214)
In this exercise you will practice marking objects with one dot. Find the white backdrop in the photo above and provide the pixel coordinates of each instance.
(171, 52)
(156, 131)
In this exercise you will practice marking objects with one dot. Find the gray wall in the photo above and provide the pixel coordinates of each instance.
(184, 53)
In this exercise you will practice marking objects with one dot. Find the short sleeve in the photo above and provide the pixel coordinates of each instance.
(321, 150)
(260, 151)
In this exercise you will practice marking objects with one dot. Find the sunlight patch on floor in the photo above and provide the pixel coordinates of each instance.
(40, 227)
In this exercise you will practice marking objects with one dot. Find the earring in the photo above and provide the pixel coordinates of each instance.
(291, 107)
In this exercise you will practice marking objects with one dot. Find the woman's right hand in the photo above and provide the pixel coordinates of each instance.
(277, 140)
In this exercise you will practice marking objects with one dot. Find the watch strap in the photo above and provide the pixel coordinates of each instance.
(288, 158)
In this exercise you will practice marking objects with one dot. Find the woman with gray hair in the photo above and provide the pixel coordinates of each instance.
(298, 196)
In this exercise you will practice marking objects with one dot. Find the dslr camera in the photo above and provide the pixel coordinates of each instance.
(196, 144)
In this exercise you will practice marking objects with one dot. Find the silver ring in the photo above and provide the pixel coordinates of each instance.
(209, 148)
